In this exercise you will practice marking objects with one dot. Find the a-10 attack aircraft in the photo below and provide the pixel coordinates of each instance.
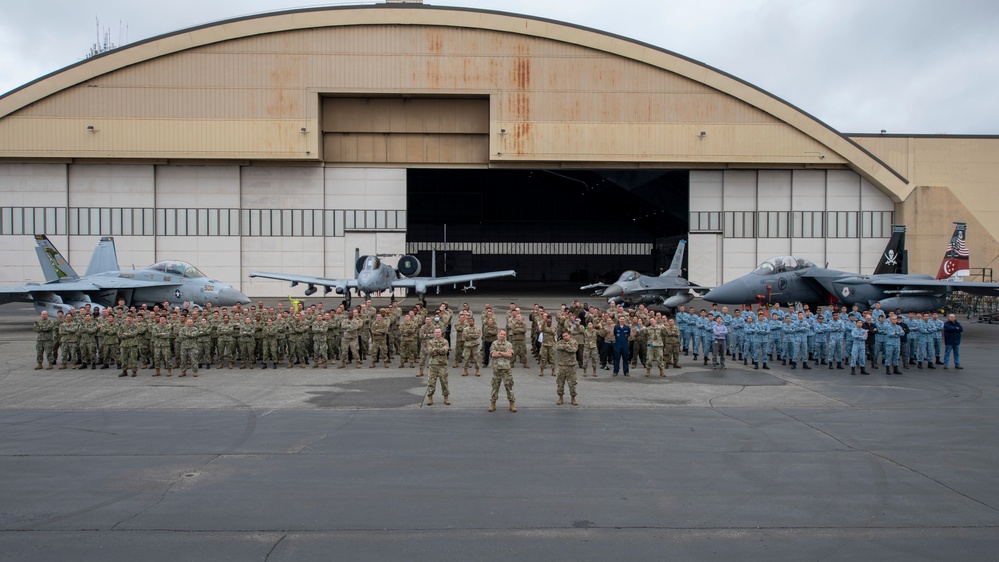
(789, 279)
(373, 276)
(105, 283)
(667, 289)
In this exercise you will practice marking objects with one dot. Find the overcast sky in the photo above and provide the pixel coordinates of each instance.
(906, 66)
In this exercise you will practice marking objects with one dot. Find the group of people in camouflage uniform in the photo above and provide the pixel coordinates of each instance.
(576, 336)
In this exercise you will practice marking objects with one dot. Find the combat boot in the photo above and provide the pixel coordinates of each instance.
(574, 403)
(513, 408)
(253, 364)
(63, 366)
(430, 400)
(863, 370)
(124, 373)
(420, 374)
(38, 367)
(342, 365)
(895, 371)
(804, 365)
(233, 364)
(887, 370)
(242, 365)
(49, 367)
(919, 365)
(219, 366)
(542, 372)
(274, 365)
(830, 366)
(316, 366)
(853, 370)
(476, 371)
(169, 372)
(183, 373)
(839, 365)
(594, 370)
(465, 372)
(157, 373)
(765, 367)
(265, 364)
(929, 365)
(745, 361)
(661, 373)
(559, 403)
(291, 364)
(447, 401)
(648, 372)
(492, 406)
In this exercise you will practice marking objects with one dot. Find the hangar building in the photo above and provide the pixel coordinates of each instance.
(288, 141)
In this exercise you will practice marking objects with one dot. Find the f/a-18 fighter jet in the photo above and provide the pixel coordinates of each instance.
(668, 289)
(790, 279)
(105, 283)
(373, 276)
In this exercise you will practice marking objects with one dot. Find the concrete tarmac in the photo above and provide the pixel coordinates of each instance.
(306, 464)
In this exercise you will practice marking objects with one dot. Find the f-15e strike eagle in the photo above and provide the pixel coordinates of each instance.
(790, 279)
(373, 276)
(105, 283)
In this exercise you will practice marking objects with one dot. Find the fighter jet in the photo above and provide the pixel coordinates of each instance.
(373, 276)
(105, 283)
(668, 289)
(789, 279)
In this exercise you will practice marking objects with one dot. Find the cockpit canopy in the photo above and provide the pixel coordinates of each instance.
(628, 276)
(782, 264)
(371, 263)
(181, 268)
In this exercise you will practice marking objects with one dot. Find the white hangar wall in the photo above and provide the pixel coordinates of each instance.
(228, 220)
(739, 218)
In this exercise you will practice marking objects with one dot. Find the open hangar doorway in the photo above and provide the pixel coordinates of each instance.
(554, 227)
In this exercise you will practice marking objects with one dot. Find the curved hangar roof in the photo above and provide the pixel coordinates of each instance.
(415, 85)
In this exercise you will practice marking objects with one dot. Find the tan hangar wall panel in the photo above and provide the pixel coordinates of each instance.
(955, 179)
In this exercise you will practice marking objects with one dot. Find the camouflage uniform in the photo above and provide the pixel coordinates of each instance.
(379, 340)
(518, 339)
(566, 356)
(88, 343)
(46, 328)
(269, 341)
(247, 343)
(320, 328)
(437, 350)
(590, 353)
(160, 334)
(189, 349)
(408, 333)
(348, 345)
(502, 372)
(671, 346)
(547, 355)
(69, 339)
(226, 342)
(110, 343)
(470, 347)
(129, 338)
(654, 337)
(426, 333)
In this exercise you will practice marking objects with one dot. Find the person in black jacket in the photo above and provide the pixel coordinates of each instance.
(872, 329)
(952, 341)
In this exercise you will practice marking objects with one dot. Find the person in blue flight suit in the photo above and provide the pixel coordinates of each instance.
(622, 338)
(858, 352)
(892, 334)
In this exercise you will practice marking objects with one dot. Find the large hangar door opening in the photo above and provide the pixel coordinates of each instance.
(549, 225)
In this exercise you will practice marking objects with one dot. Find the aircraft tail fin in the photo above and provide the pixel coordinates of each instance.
(104, 258)
(54, 266)
(957, 259)
(893, 258)
(676, 267)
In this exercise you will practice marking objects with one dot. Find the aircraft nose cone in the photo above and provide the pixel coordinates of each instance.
(729, 293)
(612, 291)
(231, 297)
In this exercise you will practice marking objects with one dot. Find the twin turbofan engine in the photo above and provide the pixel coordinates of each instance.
(408, 266)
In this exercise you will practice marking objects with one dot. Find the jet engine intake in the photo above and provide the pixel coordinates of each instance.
(409, 266)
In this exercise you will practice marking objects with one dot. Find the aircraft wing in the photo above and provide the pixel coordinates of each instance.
(307, 279)
(421, 282)
(922, 285)
(83, 286)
